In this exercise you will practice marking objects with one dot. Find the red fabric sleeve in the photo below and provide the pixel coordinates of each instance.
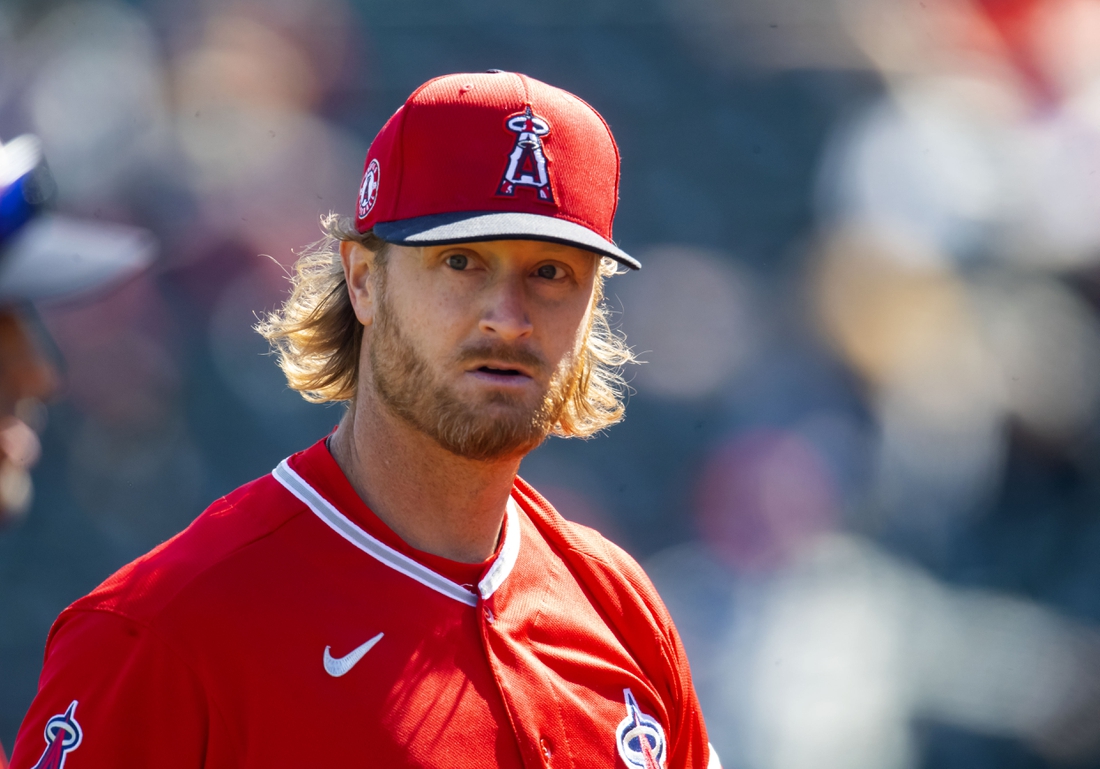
(629, 601)
(137, 703)
(689, 747)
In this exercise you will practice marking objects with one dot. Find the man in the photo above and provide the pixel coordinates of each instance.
(396, 595)
(43, 257)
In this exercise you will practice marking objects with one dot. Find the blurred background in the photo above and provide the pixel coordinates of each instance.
(862, 461)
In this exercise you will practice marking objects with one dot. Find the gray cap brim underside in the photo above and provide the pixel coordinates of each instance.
(470, 226)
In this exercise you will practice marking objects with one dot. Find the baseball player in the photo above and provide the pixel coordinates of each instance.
(43, 257)
(395, 595)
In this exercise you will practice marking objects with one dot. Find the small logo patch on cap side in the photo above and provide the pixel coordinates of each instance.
(527, 162)
(368, 190)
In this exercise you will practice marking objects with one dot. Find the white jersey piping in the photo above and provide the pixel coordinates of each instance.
(398, 561)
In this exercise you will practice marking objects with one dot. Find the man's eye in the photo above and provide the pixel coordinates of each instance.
(458, 261)
(549, 272)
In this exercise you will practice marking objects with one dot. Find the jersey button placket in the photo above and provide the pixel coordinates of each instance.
(490, 611)
(547, 748)
(496, 641)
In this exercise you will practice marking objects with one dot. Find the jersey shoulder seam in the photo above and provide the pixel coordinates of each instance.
(147, 625)
(616, 563)
(588, 544)
(191, 578)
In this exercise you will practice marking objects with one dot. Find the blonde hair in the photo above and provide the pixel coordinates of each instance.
(317, 337)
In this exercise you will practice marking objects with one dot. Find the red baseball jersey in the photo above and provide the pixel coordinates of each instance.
(288, 627)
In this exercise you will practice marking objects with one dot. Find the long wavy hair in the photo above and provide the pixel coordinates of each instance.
(317, 337)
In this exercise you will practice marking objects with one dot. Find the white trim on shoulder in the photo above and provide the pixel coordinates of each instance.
(398, 561)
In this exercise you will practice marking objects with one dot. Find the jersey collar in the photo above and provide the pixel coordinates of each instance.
(322, 506)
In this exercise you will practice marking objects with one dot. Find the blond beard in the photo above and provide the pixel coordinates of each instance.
(404, 384)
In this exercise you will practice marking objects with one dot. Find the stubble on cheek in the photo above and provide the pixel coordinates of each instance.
(405, 384)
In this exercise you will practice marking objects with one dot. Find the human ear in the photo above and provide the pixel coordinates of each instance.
(358, 262)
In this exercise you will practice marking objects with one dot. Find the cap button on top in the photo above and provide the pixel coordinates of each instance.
(494, 71)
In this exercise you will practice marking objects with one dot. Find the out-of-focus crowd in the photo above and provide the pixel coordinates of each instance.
(862, 460)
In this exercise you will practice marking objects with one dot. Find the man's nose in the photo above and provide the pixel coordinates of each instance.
(505, 314)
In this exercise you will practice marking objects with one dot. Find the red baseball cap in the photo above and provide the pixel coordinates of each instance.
(493, 156)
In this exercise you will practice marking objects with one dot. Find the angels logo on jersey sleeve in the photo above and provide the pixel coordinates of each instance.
(527, 161)
(63, 736)
(640, 738)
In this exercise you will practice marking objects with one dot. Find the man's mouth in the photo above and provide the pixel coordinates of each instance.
(502, 364)
(501, 371)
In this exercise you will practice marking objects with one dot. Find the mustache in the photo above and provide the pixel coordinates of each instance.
(505, 353)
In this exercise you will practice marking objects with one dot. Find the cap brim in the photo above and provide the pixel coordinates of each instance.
(54, 258)
(470, 226)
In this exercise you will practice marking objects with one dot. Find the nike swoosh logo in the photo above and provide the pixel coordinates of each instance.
(338, 666)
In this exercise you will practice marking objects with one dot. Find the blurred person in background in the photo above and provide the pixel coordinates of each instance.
(958, 238)
(815, 648)
(954, 272)
(44, 258)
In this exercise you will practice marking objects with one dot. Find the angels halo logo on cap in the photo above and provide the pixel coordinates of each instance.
(368, 190)
(493, 156)
(527, 161)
